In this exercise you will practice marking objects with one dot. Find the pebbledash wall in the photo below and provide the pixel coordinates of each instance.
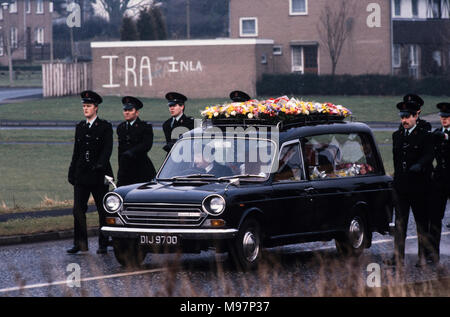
(196, 68)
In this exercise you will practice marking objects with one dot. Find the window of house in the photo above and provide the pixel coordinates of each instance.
(39, 36)
(436, 9)
(248, 27)
(445, 9)
(13, 7)
(28, 6)
(50, 6)
(396, 56)
(40, 6)
(1, 45)
(290, 164)
(14, 39)
(277, 50)
(415, 8)
(1, 14)
(297, 59)
(437, 57)
(397, 8)
(413, 55)
(298, 7)
(339, 155)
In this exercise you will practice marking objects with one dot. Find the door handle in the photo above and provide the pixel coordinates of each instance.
(309, 189)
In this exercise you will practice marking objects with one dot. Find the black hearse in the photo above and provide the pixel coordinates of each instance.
(241, 185)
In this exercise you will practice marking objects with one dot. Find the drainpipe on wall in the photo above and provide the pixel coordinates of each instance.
(392, 36)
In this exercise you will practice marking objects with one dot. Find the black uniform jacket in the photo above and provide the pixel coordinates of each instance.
(91, 153)
(134, 143)
(417, 148)
(441, 172)
(184, 121)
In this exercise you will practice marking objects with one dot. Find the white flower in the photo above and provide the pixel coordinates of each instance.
(250, 115)
(233, 113)
(216, 114)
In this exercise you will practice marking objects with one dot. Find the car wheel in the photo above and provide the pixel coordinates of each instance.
(128, 253)
(246, 249)
(354, 239)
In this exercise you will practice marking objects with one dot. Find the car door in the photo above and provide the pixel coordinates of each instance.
(291, 198)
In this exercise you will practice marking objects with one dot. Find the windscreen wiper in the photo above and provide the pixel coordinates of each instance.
(188, 177)
(242, 176)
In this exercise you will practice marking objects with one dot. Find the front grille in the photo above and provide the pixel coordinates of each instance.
(169, 215)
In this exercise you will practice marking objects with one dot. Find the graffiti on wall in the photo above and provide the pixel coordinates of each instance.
(140, 71)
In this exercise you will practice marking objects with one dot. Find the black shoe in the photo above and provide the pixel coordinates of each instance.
(102, 250)
(76, 250)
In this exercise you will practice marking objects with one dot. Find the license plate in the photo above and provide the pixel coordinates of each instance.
(154, 239)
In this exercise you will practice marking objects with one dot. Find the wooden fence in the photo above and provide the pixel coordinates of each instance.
(65, 79)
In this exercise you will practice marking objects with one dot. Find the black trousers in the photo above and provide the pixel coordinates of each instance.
(81, 197)
(418, 203)
(439, 197)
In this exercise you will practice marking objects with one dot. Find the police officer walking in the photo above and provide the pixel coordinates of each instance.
(135, 140)
(441, 184)
(176, 103)
(89, 165)
(413, 156)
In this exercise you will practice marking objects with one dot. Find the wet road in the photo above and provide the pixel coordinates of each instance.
(44, 269)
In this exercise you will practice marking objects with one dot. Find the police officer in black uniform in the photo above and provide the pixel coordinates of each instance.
(441, 181)
(239, 96)
(413, 156)
(89, 165)
(135, 140)
(176, 103)
(419, 101)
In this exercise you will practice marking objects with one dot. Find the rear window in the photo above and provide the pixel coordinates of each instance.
(339, 155)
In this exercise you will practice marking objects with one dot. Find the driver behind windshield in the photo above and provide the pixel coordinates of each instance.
(203, 166)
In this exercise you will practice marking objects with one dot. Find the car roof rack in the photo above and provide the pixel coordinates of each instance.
(298, 121)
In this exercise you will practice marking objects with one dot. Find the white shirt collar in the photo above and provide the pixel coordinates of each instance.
(132, 122)
(177, 118)
(411, 130)
(92, 121)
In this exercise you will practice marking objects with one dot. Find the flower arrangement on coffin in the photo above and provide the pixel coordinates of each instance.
(279, 109)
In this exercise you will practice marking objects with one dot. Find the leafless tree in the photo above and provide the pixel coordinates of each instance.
(334, 27)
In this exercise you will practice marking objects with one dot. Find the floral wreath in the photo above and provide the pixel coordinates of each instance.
(278, 109)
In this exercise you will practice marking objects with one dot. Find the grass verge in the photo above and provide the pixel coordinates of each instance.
(364, 108)
(40, 225)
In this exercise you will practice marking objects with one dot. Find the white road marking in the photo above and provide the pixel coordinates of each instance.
(87, 279)
(103, 277)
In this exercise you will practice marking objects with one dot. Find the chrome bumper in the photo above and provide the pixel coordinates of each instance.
(190, 234)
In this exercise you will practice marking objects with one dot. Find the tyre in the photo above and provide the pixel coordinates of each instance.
(128, 253)
(246, 249)
(355, 238)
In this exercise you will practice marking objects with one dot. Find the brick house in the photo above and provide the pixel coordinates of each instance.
(421, 37)
(30, 30)
(294, 26)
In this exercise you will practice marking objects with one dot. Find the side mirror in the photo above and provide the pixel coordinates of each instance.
(110, 180)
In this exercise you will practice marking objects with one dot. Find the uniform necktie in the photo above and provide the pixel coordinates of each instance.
(173, 122)
(128, 125)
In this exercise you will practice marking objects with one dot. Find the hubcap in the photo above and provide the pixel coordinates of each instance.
(356, 234)
(250, 246)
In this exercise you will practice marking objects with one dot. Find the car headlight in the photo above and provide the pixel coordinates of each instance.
(213, 205)
(112, 202)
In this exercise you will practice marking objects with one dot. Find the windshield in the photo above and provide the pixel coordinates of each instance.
(220, 158)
